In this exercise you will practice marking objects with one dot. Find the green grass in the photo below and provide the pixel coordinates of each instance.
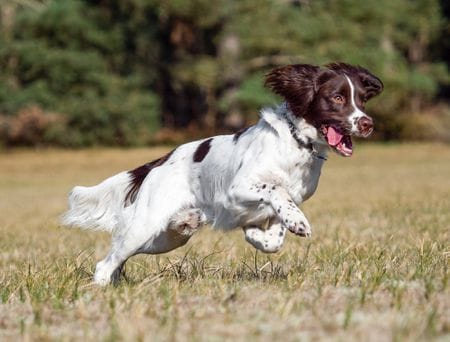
(376, 268)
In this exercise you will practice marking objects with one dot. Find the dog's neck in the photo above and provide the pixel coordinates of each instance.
(305, 135)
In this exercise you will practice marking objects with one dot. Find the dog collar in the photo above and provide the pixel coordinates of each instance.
(302, 144)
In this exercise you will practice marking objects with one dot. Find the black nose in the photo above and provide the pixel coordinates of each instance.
(365, 126)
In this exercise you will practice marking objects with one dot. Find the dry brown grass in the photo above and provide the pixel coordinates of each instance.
(376, 268)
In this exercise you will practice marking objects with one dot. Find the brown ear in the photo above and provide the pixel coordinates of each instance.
(296, 83)
(370, 82)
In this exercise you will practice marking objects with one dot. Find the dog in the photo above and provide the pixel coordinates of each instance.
(254, 179)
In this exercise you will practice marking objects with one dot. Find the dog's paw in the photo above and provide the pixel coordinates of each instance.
(102, 280)
(299, 226)
(102, 276)
(266, 241)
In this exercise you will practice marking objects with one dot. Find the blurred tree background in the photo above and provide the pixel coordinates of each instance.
(130, 72)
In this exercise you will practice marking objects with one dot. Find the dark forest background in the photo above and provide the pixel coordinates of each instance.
(133, 72)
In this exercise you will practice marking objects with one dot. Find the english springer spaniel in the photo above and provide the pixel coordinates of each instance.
(254, 179)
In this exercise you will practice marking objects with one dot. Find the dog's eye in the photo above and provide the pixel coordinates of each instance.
(338, 99)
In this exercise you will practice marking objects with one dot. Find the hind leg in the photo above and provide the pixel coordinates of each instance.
(182, 225)
(115, 277)
(137, 240)
(109, 269)
(187, 222)
(123, 247)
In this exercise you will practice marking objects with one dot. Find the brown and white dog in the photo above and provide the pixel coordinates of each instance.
(256, 177)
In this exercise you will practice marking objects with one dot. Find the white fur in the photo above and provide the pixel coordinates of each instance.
(98, 207)
(262, 177)
(357, 113)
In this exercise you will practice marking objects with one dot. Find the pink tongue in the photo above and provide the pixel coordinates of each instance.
(333, 136)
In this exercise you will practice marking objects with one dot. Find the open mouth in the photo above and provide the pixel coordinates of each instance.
(338, 140)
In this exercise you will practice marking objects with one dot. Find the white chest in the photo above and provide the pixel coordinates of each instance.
(304, 179)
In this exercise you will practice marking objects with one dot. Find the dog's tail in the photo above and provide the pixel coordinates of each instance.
(99, 207)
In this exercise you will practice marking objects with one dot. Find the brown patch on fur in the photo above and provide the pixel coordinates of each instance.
(202, 150)
(139, 174)
(296, 83)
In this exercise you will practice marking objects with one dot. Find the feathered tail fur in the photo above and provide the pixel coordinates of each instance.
(98, 207)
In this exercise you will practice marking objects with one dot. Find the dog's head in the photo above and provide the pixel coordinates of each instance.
(332, 99)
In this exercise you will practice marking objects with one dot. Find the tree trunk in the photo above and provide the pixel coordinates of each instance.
(182, 103)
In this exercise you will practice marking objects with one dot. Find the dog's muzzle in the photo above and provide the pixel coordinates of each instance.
(365, 126)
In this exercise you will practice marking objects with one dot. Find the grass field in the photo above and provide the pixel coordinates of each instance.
(376, 268)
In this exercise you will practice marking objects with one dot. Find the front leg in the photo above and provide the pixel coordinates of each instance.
(290, 215)
(279, 199)
(269, 240)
